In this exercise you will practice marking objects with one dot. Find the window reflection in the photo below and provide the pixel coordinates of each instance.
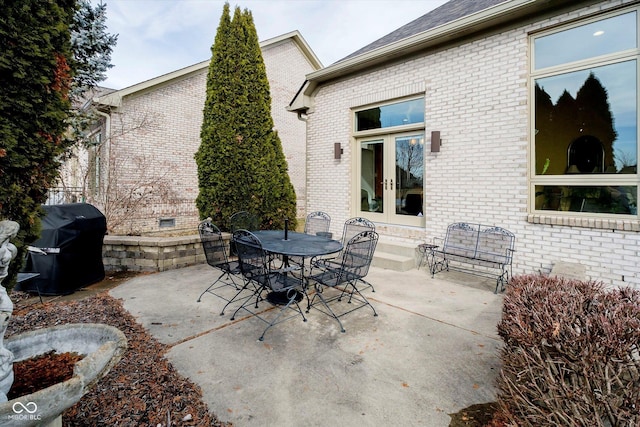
(587, 41)
(402, 113)
(591, 127)
(595, 199)
(409, 175)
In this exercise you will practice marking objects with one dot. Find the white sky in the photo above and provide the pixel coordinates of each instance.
(159, 36)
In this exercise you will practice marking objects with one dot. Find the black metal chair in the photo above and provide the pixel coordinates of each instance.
(317, 223)
(352, 227)
(355, 263)
(283, 290)
(242, 220)
(215, 250)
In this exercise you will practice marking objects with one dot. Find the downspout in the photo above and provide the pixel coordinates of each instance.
(107, 145)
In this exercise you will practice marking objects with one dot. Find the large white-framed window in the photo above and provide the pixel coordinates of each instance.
(584, 127)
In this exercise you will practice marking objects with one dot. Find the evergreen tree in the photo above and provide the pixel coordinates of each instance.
(241, 164)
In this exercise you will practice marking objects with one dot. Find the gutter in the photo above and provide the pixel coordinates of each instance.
(494, 16)
(107, 143)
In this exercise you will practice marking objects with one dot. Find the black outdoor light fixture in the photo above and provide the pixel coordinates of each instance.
(435, 141)
(337, 151)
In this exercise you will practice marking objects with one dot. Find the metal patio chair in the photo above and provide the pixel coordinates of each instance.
(352, 227)
(317, 223)
(215, 250)
(282, 289)
(242, 220)
(355, 263)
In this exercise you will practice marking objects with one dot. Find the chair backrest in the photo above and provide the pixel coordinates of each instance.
(354, 226)
(358, 255)
(317, 222)
(251, 256)
(214, 246)
(243, 220)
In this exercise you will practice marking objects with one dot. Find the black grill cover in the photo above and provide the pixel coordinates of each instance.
(72, 237)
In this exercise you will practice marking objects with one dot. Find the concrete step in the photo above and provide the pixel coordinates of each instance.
(396, 255)
(392, 261)
(407, 249)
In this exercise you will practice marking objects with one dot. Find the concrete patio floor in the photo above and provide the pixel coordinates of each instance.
(432, 350)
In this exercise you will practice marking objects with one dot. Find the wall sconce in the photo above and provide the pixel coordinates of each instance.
(337, 151)
(435, 141)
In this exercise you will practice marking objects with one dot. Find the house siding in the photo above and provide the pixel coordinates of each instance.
(477, 96)
(166, 145)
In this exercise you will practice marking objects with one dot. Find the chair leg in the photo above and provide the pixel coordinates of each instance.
(257, 292)
(362, 297)
(229, 276)
(329, 311)
(212, 285)
(275, 321)
(243, 288)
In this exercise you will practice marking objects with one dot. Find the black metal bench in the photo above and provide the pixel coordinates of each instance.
(476, 249)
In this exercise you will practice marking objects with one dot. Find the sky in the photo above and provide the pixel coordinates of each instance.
(156, 37)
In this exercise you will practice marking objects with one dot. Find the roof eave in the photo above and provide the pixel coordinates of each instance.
(114, 99)
(500, 14)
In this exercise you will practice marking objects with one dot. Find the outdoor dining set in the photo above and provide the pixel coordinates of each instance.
(287, 269)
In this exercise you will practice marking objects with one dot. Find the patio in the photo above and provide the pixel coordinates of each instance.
(432, 351)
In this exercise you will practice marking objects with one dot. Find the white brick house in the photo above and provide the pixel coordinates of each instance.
(468, 70)
(151, 131)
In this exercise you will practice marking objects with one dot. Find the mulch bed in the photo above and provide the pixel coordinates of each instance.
(142, 389)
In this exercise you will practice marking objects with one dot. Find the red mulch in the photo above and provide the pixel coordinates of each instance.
(40, 372)
(142, 389)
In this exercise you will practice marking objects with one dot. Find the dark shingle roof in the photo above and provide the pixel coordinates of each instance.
(448, 12)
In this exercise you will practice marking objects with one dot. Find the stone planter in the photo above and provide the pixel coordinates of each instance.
(102, 347)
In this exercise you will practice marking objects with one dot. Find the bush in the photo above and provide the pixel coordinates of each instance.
(241, 164)
(571, 354)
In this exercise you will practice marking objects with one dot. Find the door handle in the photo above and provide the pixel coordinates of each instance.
(391, 185)
(385, 184)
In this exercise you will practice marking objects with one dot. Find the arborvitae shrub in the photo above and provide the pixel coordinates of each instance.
(570, 355)
(241, 165)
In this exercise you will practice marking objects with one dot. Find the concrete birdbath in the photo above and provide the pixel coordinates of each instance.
(101, 345)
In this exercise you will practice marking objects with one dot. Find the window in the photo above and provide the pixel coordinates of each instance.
(384, 116)
(585, 126)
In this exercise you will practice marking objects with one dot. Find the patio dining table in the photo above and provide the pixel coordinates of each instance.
(295, 245)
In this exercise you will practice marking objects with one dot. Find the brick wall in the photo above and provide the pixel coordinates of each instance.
(476, 95)
(163, 147)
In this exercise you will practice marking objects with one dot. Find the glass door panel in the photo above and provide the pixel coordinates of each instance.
(391, 177)
(371, 176)
(409, 175)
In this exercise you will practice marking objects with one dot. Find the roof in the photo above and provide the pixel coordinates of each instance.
(114, 98)
(449, 23)
(448, 12)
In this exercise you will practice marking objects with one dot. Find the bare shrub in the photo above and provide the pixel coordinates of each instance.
(571, 354)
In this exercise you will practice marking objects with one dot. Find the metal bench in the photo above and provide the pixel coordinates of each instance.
(476, 249)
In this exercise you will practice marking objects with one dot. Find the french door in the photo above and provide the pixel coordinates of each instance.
(391, 178)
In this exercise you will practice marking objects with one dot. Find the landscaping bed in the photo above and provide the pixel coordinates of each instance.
(142, 389)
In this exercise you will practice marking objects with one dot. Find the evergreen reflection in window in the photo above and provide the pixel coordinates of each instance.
(585, 134)
(590, 112)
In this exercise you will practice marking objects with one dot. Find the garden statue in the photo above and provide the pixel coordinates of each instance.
(8, 230)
